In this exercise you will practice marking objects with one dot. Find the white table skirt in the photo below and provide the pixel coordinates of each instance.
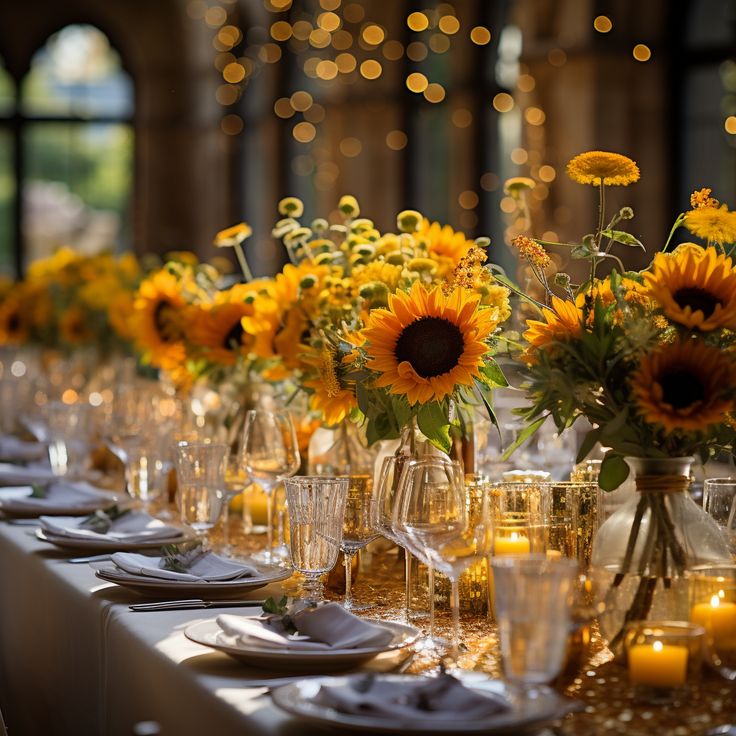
(74, 660)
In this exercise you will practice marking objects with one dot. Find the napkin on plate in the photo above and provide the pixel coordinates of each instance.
(132, 526)
(208, 568)
(57, 495)
(323, 628)
(14, 475)
(441, 698)
(12, 448)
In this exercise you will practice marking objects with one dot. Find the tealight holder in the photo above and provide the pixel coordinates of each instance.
(517, 517)
(664, 658)
(713, 606)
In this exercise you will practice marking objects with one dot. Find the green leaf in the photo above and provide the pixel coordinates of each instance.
(524, 435)
(493, 374)
(581, 251)
(613, 427)
(38, 490)
(432, 420)
(401, 409)
(278, 608)
(614, 471)
(620, 236)
(588, 443)
(363, 398)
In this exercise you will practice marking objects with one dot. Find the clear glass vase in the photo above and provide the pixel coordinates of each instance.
(642, 552)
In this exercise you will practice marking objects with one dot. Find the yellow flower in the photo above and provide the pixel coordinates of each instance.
(348, 205)
(685, 386)
(387, 273)
(330, 396)
(518, 184)
(701, 198)
(234, 235)
(120, 311)
(291, 207)
(74, 327)
(443, 242)
(715, 224)
(695, 290)
(14, 321)
(532, 252)
(594, 167)
(427, 344)
(158, 324)
(563, 322)
(408, 221)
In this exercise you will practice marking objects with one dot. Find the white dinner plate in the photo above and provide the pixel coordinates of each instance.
(112, 545)
(267, 574)
(530, 709)
(17, 501)
(258, 654)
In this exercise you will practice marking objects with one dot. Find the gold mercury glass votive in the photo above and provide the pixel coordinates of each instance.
(664, 658)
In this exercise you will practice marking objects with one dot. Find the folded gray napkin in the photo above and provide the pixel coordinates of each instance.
(208, 568)
(12, 448)
(323, 628)
(133, 526)
(441, 698)
(58, 496)
(15, 475)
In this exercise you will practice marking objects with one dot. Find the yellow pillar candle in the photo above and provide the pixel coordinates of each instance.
(515, 544)
(718, 618)
(658, 664)
(257, 504)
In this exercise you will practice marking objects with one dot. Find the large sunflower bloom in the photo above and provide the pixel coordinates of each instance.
(330, 396)
(14, 322)
(686, 386)
(596, 167)
(695, 289)
(73, 326)
(426, 343)
(714, 224)
(158, 324)
(563, 322)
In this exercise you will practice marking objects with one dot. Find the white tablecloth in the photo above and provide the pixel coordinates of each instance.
(74, 660)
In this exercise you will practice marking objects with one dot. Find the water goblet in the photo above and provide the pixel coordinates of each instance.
(357, 530)
(316, 511)
(200, 475)
(68, 436)
(270, 455)
(719, 501)
(533, 647)
(433, 512)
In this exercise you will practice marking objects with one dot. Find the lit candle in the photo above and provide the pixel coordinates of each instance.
(718, 618)
(658, 665)
(515, 544)
(257, 503)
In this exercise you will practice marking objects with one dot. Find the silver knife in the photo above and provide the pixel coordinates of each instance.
(193, 603)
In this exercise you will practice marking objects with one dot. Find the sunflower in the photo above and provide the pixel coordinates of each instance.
(158, 323)
(74, 326)
(428, 343)
(596, 167)
(443, 242)
(714, 224)
(330, 396)
(14, 323)
(696, 290)
(686, 386)
(563, 322)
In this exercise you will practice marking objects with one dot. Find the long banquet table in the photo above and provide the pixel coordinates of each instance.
(75, 660)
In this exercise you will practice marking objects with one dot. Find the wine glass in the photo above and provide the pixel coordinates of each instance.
(357, 530)
(433, 512)
(316, 510)
(270, 455)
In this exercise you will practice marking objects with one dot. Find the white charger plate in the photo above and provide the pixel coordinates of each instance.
(267, 574)
(530, 709)
(112, 545)
(280, 659)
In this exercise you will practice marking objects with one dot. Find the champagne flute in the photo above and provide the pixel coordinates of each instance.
(358, 530)
(433, 512)
(270, 455)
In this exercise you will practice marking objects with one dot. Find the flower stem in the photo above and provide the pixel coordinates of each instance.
(247, 275)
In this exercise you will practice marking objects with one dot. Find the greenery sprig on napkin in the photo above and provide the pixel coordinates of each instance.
(102, 519)
(284, 611)
(181, 557)
(39, 490)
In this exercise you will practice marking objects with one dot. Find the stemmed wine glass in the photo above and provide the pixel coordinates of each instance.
(270, 455)
(357, 531)
(432, 512)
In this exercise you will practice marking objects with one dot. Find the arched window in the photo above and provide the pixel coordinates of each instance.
(72, 150)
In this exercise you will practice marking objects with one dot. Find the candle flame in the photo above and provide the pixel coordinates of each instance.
(657, 646)
(715, 601)
(514, 536)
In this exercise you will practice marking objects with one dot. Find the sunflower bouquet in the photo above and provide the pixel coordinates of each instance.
(380, 328)
(70, 301)
(648, 358)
